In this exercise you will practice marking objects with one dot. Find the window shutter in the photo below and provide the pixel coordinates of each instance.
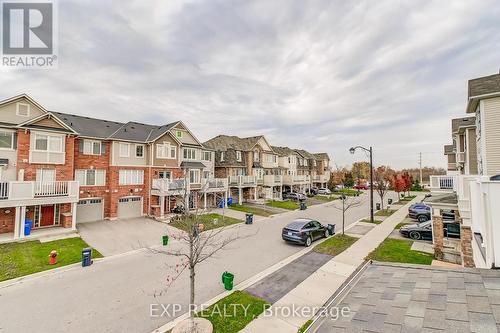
(80, 146)
(103, 148)
(14, 140)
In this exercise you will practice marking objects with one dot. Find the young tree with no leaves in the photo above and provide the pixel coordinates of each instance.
(347, 203)
(382, 177)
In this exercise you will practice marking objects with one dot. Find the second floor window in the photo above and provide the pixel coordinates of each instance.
(91, 147)
(139, 151)
(131, 177)
(164, 175)
(124, 149)
(165, 150)
(207, 156)
(91, 177)
(256, 157)
(48, 143)
(238, 156)
(194, 176)
(6, 140)
(189, 153)
(222, 156)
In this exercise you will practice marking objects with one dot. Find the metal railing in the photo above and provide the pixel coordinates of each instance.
(443, 183)
(4, 190)
(242, 180)
(51, 189)
(214, 183)
(166, 185)
(272, 180)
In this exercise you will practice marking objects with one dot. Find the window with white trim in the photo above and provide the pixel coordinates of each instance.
(194, 176)
(178, 134)
(165, 150)
(131, 177)
(139, 151)
(91, 177)
(50, 143)
(6, 140)
(207, 155)
(92, 147)
(164, 175)
(222, 156)
(238, 156)
(23, 109)
(124, 149)
(189, 153)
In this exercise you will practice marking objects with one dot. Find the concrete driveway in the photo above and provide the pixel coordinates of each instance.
(117, 294)
(119, 236)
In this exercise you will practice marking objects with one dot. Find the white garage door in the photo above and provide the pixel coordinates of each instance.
(89, 210)
(129, 207)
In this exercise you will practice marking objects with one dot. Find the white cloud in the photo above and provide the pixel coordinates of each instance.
(321, 75)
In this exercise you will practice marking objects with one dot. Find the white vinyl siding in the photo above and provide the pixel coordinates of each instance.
(23, 109)
(131, 177)
(491, 136)
(91, 177)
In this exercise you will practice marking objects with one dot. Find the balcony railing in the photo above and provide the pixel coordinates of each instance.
(443, 183)
(34, 192)
(169, 186)
(273, 180)
(320, 178)
(297, 179)
(242, 181)
(214, 184)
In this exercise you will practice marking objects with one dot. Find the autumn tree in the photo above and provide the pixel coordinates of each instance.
(361, 170)
(398, 183)
(382, 177)
(408, 180)
(348, 180)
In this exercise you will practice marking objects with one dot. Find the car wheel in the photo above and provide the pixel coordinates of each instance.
(422, 218)
(326, 233)
(414, 235)
(308, 241)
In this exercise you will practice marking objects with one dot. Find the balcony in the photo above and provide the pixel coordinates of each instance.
(320, 179)
(169, 187)
(214, 184)
(296, 180)
(242, 181)
(443, 184)
(27, 193)
(273, 180)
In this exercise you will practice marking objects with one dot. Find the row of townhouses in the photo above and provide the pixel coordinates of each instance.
(471, 187)
(59, 169)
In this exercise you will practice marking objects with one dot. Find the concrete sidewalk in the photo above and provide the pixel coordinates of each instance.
(315, 291)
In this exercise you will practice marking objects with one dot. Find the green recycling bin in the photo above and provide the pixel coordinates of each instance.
(164, 240)
(227, 280)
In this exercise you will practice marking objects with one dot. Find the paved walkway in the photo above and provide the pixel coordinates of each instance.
(320, 285)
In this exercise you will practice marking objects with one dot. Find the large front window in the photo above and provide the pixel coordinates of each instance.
(194, 176)
(6, 140)
(131, 177)
(48, 143)
(91, 177)
(189, 153)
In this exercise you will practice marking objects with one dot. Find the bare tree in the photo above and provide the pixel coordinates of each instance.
(347, 203)
(382, 181)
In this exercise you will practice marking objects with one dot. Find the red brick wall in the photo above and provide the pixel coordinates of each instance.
(7, 220)
(63, 171)
(117, 191)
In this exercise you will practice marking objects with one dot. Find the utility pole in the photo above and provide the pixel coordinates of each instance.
(420, 162)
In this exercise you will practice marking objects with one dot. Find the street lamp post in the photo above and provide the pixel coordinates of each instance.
(370, 150)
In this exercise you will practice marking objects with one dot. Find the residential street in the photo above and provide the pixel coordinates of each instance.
(114, 295)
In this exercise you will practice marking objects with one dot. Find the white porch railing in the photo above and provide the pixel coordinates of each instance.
(443, 183)
(167, 185)
(242, 181)
(321, 178)
(214, 184)
(273, 180)
(23, 193)
(297, 179)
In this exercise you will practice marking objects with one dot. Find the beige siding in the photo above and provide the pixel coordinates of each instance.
(8, 112)
(491, 135)
(46, 122)
(166, 162)
(131, 160)
(472, 151)
(263, 143)
(186, 136)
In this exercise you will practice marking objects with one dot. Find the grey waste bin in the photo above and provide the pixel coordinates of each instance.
(331, 229)
(249, 218)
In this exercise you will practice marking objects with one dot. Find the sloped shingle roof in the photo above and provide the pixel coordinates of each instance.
(460, 122)
(225, 142)
(321, 156)
(484, 85)
(283, 151)
(86, 126)
(305, 154)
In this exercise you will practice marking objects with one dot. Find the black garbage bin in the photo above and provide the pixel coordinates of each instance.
(377, 206)
(389, 201)
(249, 218)
(86, 257)
(303, 205)
(331, 229)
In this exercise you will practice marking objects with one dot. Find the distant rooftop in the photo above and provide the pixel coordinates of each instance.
(457, 123)
(484, 85)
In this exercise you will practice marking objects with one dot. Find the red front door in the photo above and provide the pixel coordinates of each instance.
(46, 216)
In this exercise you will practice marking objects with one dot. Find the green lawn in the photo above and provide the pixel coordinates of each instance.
(375, 221)
(249, 209)
(228, 315)
(349, 192)
(407, 198)
(326, 198)
(288, 204)
(335, 245)
(208, 221)
(305, 326)
(19, 259)
(385, 212)
(398, 250)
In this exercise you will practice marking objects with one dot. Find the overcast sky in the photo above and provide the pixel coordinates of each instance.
(319, 75)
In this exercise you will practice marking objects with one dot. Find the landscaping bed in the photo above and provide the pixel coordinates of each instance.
(19, 259)
(335, 245)
(208, 221)
(407, 199)
(398, 250)
(375, 221)
(234, 306)
(251, 209)
(385, 212)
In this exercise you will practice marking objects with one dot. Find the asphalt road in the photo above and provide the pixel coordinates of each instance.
(116, 294)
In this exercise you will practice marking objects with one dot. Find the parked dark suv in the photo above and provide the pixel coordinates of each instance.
(420, 211)
(304, 231)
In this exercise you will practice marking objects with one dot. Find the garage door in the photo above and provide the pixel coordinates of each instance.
(129, 207)
(89, 210)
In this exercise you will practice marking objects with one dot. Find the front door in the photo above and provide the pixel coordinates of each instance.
(47, 216)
